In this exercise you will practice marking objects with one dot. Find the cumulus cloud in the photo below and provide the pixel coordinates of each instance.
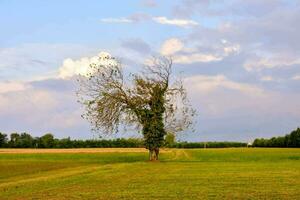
(171, 46)
(81, 66)
(176, 48)
(36, 60)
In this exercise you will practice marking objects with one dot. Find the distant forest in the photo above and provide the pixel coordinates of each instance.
(289, 140)
(25, 140)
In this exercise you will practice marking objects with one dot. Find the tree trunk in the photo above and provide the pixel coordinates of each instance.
(153, 154)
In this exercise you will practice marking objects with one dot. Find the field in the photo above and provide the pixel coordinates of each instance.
(236, 173)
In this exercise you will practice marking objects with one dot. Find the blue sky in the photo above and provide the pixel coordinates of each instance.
(240, 60)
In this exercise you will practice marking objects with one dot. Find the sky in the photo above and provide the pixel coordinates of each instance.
(240, 61)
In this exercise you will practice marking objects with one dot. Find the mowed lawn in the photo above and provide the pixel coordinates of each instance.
(235, 173)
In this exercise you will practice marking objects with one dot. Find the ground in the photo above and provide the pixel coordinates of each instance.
(235, 173)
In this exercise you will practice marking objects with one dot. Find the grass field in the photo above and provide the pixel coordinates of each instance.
(125, 174)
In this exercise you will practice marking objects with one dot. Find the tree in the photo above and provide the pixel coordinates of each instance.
(47, 140)
(3, 139)
(294, 138)
(170, 139)
(65, 143)
(14, 140)
(151, 101)
(26, 140)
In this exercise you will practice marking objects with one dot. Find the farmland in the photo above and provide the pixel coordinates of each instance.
(233, 173)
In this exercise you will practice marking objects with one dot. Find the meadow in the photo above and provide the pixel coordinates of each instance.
(231, 173)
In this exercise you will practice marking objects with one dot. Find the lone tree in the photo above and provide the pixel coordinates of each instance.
(151, 101)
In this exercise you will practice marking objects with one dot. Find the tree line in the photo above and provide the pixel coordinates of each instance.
(289, 140)
(191, 145)
(25, 140)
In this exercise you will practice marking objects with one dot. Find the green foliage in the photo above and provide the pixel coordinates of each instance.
(3, 140)
(289, 140)
(192, 145)
(293, 140)
(170, 140)
(47, 141)
(24, 140)
(152, 119)
(14, 140)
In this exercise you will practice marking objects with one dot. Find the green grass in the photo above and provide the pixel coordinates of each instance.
(181, 174)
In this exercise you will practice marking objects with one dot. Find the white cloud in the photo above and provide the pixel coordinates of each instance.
(27, 102)
(175, 22)
(116, 20)
(40, 110)
(269, 62)
(187, 55)
(9, 86)
(231, 48)
(72, 67)
(37, 60)
(196, 57)
(171, 46)
(204, 83)
(66, 119)
(267, 78)
(296, 77)
(143, 17)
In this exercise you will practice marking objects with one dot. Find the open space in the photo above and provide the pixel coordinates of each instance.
(149, 99)
(234, 173)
